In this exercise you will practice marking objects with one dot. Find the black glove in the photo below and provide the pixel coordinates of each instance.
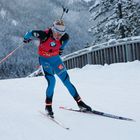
(60, 51)
(26, 40)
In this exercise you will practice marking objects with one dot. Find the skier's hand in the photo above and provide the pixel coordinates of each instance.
(26, 40)
(60, 51)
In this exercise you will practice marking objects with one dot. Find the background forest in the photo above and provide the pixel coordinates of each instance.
(88, 22)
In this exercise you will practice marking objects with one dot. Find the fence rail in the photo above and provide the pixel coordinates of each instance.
(106, 53)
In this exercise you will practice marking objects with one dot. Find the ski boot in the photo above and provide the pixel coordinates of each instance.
(48, 109)
(83, 107)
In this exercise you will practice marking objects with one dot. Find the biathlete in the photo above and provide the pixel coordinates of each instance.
(52, 43)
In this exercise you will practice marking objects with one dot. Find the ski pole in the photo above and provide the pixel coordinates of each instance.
(65, 10)
(7, 56)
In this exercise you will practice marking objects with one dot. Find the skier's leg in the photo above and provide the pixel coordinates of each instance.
(61, 71)
(49, 75)
(49, 93)
(66, 81)
(50, 89)
(71, 88)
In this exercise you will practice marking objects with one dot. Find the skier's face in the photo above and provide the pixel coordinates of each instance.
(57, 35)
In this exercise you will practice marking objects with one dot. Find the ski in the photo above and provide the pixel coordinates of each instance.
(54, 120)
(98, 113)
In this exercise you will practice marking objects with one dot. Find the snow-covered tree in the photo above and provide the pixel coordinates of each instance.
(114, 19)
(19, 16)
(131, 14)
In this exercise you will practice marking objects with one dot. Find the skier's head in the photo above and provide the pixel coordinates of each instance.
(58, 28)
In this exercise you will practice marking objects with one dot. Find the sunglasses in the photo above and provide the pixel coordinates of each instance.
(58, 32)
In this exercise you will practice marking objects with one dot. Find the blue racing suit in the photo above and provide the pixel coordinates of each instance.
(52, 64)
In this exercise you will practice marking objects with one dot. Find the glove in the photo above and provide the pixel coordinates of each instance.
(60, 51)
(26, 40)
(27, 37)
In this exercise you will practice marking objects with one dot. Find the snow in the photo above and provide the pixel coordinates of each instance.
(136, 1)
(87, 0)
(2, 13)
(14, 22)
(72, 1)
(110, 88)
(97, 2)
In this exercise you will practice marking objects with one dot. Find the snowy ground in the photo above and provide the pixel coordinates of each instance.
(111, 88)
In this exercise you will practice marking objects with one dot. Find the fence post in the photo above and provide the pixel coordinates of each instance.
(128, 52)
(88, 58)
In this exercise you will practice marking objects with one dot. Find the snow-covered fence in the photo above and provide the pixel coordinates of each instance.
(114, 51)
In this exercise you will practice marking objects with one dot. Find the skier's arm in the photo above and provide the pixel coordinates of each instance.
(64, 40)
(42, 35)
(35, 34)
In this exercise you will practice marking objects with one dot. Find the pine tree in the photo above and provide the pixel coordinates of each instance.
(113, 19)
(102, 16)
(132, 18)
